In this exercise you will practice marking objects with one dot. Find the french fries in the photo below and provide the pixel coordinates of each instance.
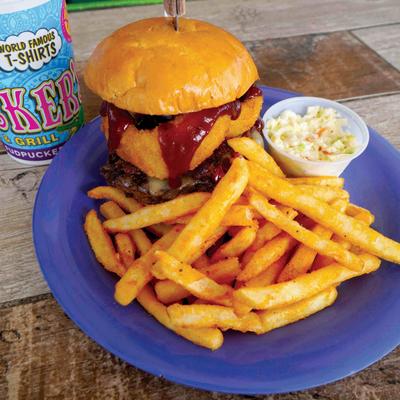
(237, 215)
(266, 233)
(209, 217)
(304, 286)
(101, 244)
(126, 249)
(278, 317)
(224, 271)
(310, 239)
(354, 231)
(303, 258)
(212, 316)
(237, 245)
(324, 193)
(157, 213)
(159, 229)
(332, 181)
(118, 196)
(191, 279)
(111, 210)
(260, 252)
(139, 273)
(169, 292)
(272, 251)
(141, 241)
(360, 213)
(207, 337)
(254, 152)
(270, 275)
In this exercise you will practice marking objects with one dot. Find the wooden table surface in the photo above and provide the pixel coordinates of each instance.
(339, 49)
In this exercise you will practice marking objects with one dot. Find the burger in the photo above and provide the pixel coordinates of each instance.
(171, 100)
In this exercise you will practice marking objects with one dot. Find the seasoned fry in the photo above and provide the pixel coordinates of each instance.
(139, 273)
(278, 317)
(159, 229)
(213, 316)
(304, 256)
(110, 209)
(169, 292)
(305, 236)
(224, 271)
(209, 217)
(302, 287)
(237, 245)
(332, 181)
(237, 215)
(110, 193)
(210, 338)
(266, 233)
(126, 249)
(191, 279)
(157, 213)
(201, 262)
(254, 152)
(101, 244)
(210, 241)
(354, 231)
(270, 275)
(324, 193)
(360, 213)
(185, 219)
(272, 251)
(323, 261)
(141, 241)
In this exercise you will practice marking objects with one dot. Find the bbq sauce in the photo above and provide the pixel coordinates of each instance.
(118, 122)
(178, 138)
(253, 92)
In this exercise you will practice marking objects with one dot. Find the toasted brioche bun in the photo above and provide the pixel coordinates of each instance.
(147, 67)
(142, 149)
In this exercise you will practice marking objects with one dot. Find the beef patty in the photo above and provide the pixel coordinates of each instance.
(130, 179)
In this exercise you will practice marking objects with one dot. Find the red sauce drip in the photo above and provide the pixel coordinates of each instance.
(254, 91)
(217, 174)
(180, 138)
(118, 122)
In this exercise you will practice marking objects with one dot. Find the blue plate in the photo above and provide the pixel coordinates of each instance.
(360, 328)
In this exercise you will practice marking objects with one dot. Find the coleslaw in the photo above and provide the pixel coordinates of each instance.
(316, 136)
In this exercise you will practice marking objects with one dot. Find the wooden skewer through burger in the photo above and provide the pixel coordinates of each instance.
(171, 99)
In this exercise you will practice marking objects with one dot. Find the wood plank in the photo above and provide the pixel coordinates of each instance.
(334, 65)
(19, 274)
(249, 20)
(293, 63)
(33, 365)
(385, 40)
(381, 113)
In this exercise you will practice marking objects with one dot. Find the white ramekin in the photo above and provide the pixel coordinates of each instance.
(296, 166)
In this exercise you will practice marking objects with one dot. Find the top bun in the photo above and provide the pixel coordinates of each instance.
(147, 67)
